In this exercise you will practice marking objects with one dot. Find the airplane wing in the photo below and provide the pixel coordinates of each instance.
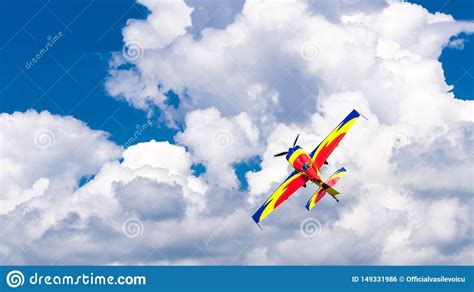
(321, 153)
(284, 191)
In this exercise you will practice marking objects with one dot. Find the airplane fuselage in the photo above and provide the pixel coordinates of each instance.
(301, 161)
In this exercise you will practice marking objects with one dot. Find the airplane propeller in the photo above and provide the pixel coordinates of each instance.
(286, 152)
(296, 140)
(280, 154)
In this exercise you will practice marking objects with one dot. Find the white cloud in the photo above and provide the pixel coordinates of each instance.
(158, 154)
(278, 69)
(457, 43)
(145, 192)
(37, 189)
(167, 21)
(34, 148)
(219, 142)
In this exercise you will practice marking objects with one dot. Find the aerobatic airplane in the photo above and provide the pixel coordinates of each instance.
(306, 168)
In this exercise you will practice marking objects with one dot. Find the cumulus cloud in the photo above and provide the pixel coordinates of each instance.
(246, 88)
(162, 155)
(122, 201)
(258, 64)
(151, 200)
(219, 142)
(33, 151)
(167, 20)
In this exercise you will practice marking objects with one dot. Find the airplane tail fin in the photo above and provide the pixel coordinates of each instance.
(326, 187)
(330, 190)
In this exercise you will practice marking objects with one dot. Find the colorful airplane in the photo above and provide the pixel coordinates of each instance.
(306, 167)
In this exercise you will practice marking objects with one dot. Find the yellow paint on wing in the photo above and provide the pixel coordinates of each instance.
(274, 197)
(333, 135)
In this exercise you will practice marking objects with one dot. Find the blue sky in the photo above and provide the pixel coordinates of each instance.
(457, 63)
(69, 80)
(244, 92)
